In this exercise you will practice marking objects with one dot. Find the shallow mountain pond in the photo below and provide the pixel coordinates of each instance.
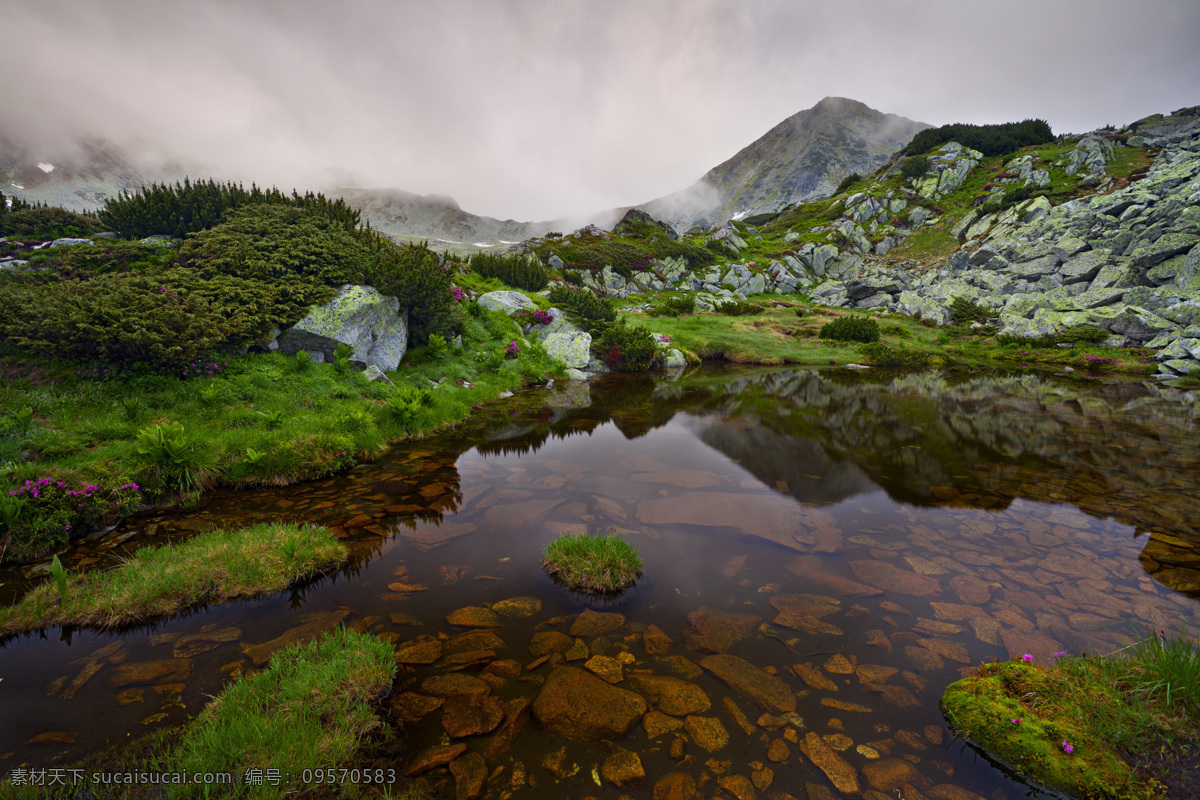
(824, 552)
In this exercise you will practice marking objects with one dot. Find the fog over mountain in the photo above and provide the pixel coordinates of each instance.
(537, 109)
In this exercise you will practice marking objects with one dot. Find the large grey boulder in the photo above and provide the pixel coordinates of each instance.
(571, 349)
(69, 242)
(506, 301)
(371, 323)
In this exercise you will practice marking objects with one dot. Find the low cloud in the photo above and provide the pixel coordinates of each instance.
(536, 109)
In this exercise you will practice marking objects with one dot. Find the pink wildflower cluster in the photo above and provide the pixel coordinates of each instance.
(196, 369)
(512, 351)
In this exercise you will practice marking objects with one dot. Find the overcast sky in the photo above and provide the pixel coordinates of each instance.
(534, 109)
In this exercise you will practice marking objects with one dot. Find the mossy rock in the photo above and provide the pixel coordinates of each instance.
(1049, 713)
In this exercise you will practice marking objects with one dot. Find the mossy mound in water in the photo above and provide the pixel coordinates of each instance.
(1043, 724)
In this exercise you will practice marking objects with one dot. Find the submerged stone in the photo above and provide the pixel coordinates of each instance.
(740, 675)
(710, 630)
(672, 695)
(577, 705)
(623, 768)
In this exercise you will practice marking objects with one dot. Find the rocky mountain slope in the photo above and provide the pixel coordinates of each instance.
(79, 180)
(802, 158)
(1099, 230)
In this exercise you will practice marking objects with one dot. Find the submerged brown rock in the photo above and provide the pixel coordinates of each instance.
(710, 630)
(577, 705)
(740, 675)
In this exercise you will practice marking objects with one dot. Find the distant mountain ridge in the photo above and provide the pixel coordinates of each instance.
(802, 158)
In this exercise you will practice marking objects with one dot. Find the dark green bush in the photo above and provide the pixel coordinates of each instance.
(852, 328)
(625, 348)
(513, 269)
(127, 318)
(106, 256)
(191, 207)
(737, 308)
(589, 311)
(964, 310)
(674, 306)
(991, 140)
(1090, 334)
(280, 244)
(880, 355)
(915, 166)
(719, 247)
(48, 222)
(847, 182)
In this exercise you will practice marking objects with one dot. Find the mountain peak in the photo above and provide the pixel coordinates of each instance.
(802, 158)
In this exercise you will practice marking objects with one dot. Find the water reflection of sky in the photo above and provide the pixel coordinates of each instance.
(949, 524)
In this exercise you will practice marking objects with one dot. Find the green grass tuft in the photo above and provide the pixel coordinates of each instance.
(310, 709)
(208, 568)
(598, 563)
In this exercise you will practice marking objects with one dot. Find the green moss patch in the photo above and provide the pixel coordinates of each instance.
(1115, 727)
(208, 568)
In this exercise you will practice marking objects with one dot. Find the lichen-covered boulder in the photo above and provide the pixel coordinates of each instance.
(508, 302)
(371, 323)
(572, 349)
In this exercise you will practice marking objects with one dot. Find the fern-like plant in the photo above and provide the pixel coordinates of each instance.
(168, 447)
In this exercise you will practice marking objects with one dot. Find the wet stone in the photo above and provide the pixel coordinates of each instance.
(655, 641)
(813, 677)
(895, 580)
(516, 716)
(197, 643)
(518, 607)
(890, 774)
(843, 776)
(740, 675)
(844, 705)
(415, 652)
(605, 668)
(681, 666)
(577, 705)
(577, 651)
(874, 673)
(739, 786)
(739, 718)
(596, 623)
(473, 617)
(546, 642)
(675, 786)
(778, 751)
(623, 768)
(434, 757)
(707, 732)
(656, 723)
(676, 750)
(410, 707)
(150, 672)
(470, 773)
(260, 654)
(710, 630)
(671, 695)
(450, 685)
(839, 665)
(474, 640)
(471, 714)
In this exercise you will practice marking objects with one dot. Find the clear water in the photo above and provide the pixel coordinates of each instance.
(936, 525)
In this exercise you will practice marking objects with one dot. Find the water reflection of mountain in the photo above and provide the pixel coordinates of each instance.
(1121, 451)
